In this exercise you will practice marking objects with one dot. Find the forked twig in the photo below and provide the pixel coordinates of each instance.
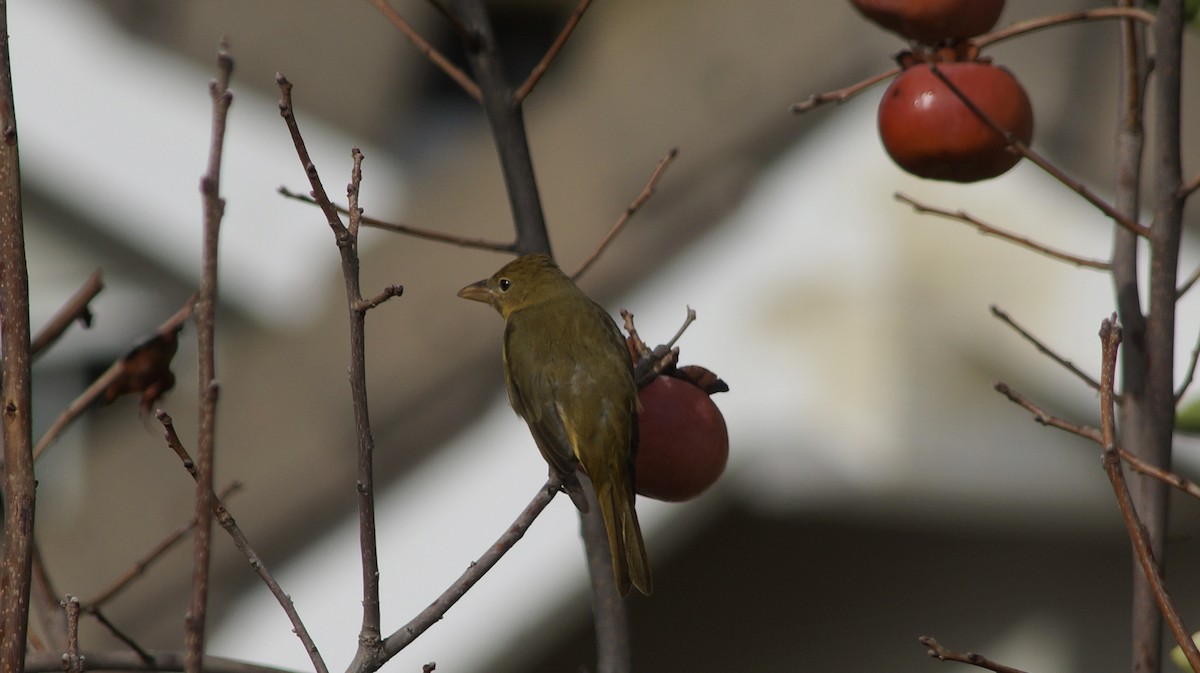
(989, 230)
(641, 198)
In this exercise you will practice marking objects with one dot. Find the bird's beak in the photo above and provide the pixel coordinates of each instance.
(477, 292)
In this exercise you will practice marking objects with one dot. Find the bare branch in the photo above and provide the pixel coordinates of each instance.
(1189, 187)
(1046, 418)
(1167, 477)
(227, 522)
(206, 308)
(404, 635)
(51, 662)
(842, 95)
(452, 71)
(119, 635)
(543, 65)
(1190, 375)
(1028, 26)
(1042, 348)
(1187, 284)
(641, 198)
(1021, 148)
(71, 661)
(408, 230)
(1110, 337)
(989, 230)
(76, 308)
(387, 293)
(938, 652)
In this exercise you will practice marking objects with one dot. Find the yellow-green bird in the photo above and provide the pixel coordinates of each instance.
(569, 376)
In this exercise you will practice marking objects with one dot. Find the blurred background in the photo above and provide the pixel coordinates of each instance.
(877, 490)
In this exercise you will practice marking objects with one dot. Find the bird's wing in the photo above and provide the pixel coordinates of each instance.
(526, 386)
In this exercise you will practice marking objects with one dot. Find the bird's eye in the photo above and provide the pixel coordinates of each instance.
(505, 284)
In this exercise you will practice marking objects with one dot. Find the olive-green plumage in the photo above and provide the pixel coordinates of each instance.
(569, 376)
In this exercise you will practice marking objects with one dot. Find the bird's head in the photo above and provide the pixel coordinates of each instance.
(523, 282)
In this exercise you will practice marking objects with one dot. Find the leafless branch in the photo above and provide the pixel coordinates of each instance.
(71, 661)
(76, 308)
(1046, 418)
(1045, 350)
(1021, 148)
(214, 210)
(989, 230)
(452, 71)
(119, 635)
(1110, 337)
(936, 651)
(1028, 26)
(642, 197)
(1167, 477)
(1190, 375)
(404, 635)
(1187, 284)
(227, 522)
(162, 661)
(842, 95)
(543, 65)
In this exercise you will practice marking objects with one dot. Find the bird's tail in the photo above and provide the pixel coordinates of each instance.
(629, 560)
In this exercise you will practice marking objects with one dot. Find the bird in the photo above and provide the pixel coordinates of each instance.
(569, 376)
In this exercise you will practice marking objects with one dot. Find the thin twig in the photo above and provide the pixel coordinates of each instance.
(1028, 26)
(404, 635)
(408, 230)
(206, 306)
(989, 230)
(387, 293)
(641, 198)
(160, 661)
(76, 308)
(452, 71)
(543, 65)
(936, 651)
(1166, 476)
(1021, 148)
(842, 95)
(229, 524)
(1190, 375)
(451, 18)
(1043, 349)
(142, 564)
(1046, 418)
(119, 635)
(1110, 337)
(44, 598)
(687, 322)
(1187, 284)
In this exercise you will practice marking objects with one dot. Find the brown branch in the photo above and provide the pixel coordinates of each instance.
(1021, 148)
(71, 661)
(387, 293)
(1165, 476)
(842, 95)
(20, 488)
(641, 198)
(1030, 25)
(227, 522)
(119, 635)
(408, 230)
(989, 230)
(1043, 349)
(214, 210)
(452, 71)
(1187, 284)
(1046, 418)
(937, 651)
(142, 564)
(404, 635)
(543, 65)
(1190, 375)
(44, 598)
(76, 308)
(1110, 337)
